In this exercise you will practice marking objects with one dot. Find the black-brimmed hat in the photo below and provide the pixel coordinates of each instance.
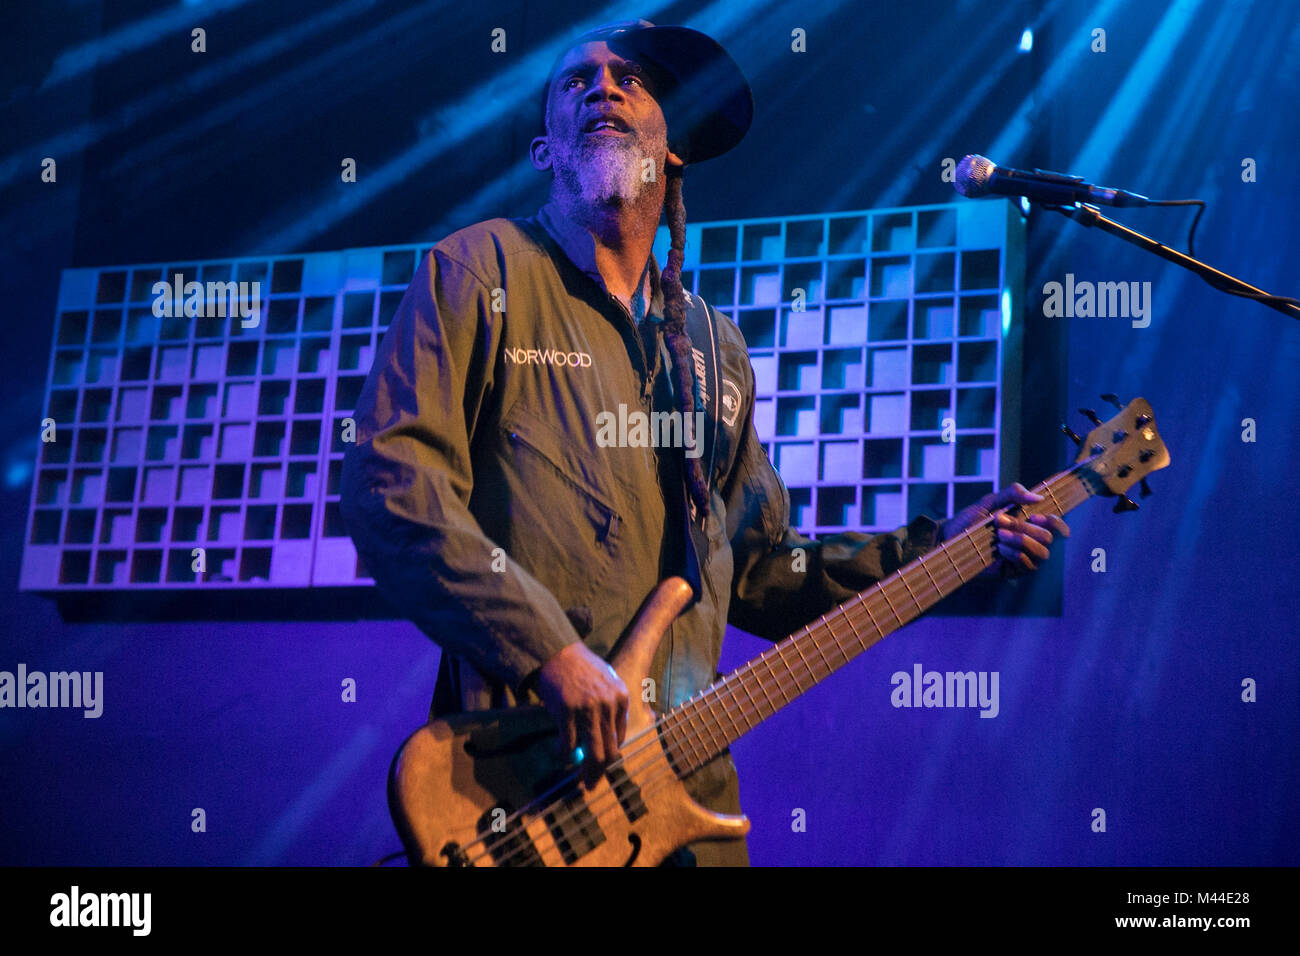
(705, 97)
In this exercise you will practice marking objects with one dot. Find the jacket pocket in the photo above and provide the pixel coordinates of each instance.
(565, 529)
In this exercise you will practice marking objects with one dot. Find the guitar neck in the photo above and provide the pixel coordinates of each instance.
(696, 731)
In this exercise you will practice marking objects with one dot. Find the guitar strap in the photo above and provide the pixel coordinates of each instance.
(707, 376)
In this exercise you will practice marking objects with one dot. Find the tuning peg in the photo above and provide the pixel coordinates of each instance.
(1091, 415)
(1125, 504)
(1113, 399)
(1146, 489)
(1070, 434)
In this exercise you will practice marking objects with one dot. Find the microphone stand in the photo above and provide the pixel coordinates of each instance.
(1090, 216)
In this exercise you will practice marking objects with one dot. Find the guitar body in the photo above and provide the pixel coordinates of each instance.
(456, 783)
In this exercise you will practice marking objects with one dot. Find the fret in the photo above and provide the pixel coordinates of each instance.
(718, 706)
(862, 645)
(780, 652)
(772, 708)
(874, 623)
(1051, 494)
(687, 739)
(821, 653)
(811, 674)
(732, 686)
(739, 685)
(933, 582)
(775, 679)
(910, 593)
(703, 711)
(978, 553)
(947, 554)
(884, 593)
(743, 683)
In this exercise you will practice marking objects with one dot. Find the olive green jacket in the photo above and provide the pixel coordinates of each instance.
(484, 499)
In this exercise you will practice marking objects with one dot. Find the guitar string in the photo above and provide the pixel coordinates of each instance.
(728, 690)
(671, 747)
(722, 688)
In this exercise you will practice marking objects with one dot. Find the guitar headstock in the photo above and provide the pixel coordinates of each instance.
(1121, 452)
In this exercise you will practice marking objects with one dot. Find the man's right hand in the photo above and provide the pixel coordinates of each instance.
(589, 703)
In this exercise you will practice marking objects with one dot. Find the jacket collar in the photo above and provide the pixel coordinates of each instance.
(580, 247)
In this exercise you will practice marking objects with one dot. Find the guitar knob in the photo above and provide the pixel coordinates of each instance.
(1125, 504)
(1069, 433)
(1120, 435)
(1113, 399)
(1142, 421)
(1146, 454)
(1146, 489)
(1091, 415)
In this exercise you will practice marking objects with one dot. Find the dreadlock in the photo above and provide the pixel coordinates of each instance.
(686, 390)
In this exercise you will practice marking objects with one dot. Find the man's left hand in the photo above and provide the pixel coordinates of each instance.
(1021, 541)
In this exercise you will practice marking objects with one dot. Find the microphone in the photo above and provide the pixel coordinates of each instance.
(978, 177)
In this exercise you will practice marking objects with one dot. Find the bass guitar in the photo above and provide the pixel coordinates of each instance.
(487, 788)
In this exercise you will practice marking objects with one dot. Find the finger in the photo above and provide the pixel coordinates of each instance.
(594, 741)
(1015, 541)
(568, 735)
(621, 720)
(610, 730)
(1023, 495)
(1034, 530)
(1015, 494)
(1055, 522)
(1017, 558)
(596, 755)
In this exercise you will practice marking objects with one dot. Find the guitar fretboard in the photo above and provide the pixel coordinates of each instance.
(696, 731)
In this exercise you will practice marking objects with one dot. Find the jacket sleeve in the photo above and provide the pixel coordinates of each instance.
(783, 580)
(406, 483)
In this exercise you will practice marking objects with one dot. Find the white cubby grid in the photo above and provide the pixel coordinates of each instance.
(866, 330)
(181, 433)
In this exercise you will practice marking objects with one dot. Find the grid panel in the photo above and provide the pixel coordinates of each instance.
(869, 332)
(173, 433)
(880, 342)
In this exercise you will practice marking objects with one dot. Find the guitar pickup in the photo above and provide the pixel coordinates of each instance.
(628, 793)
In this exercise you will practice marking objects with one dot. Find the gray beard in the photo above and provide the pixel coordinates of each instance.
(602, 171)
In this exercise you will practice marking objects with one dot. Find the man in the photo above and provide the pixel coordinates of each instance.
(482, 494)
